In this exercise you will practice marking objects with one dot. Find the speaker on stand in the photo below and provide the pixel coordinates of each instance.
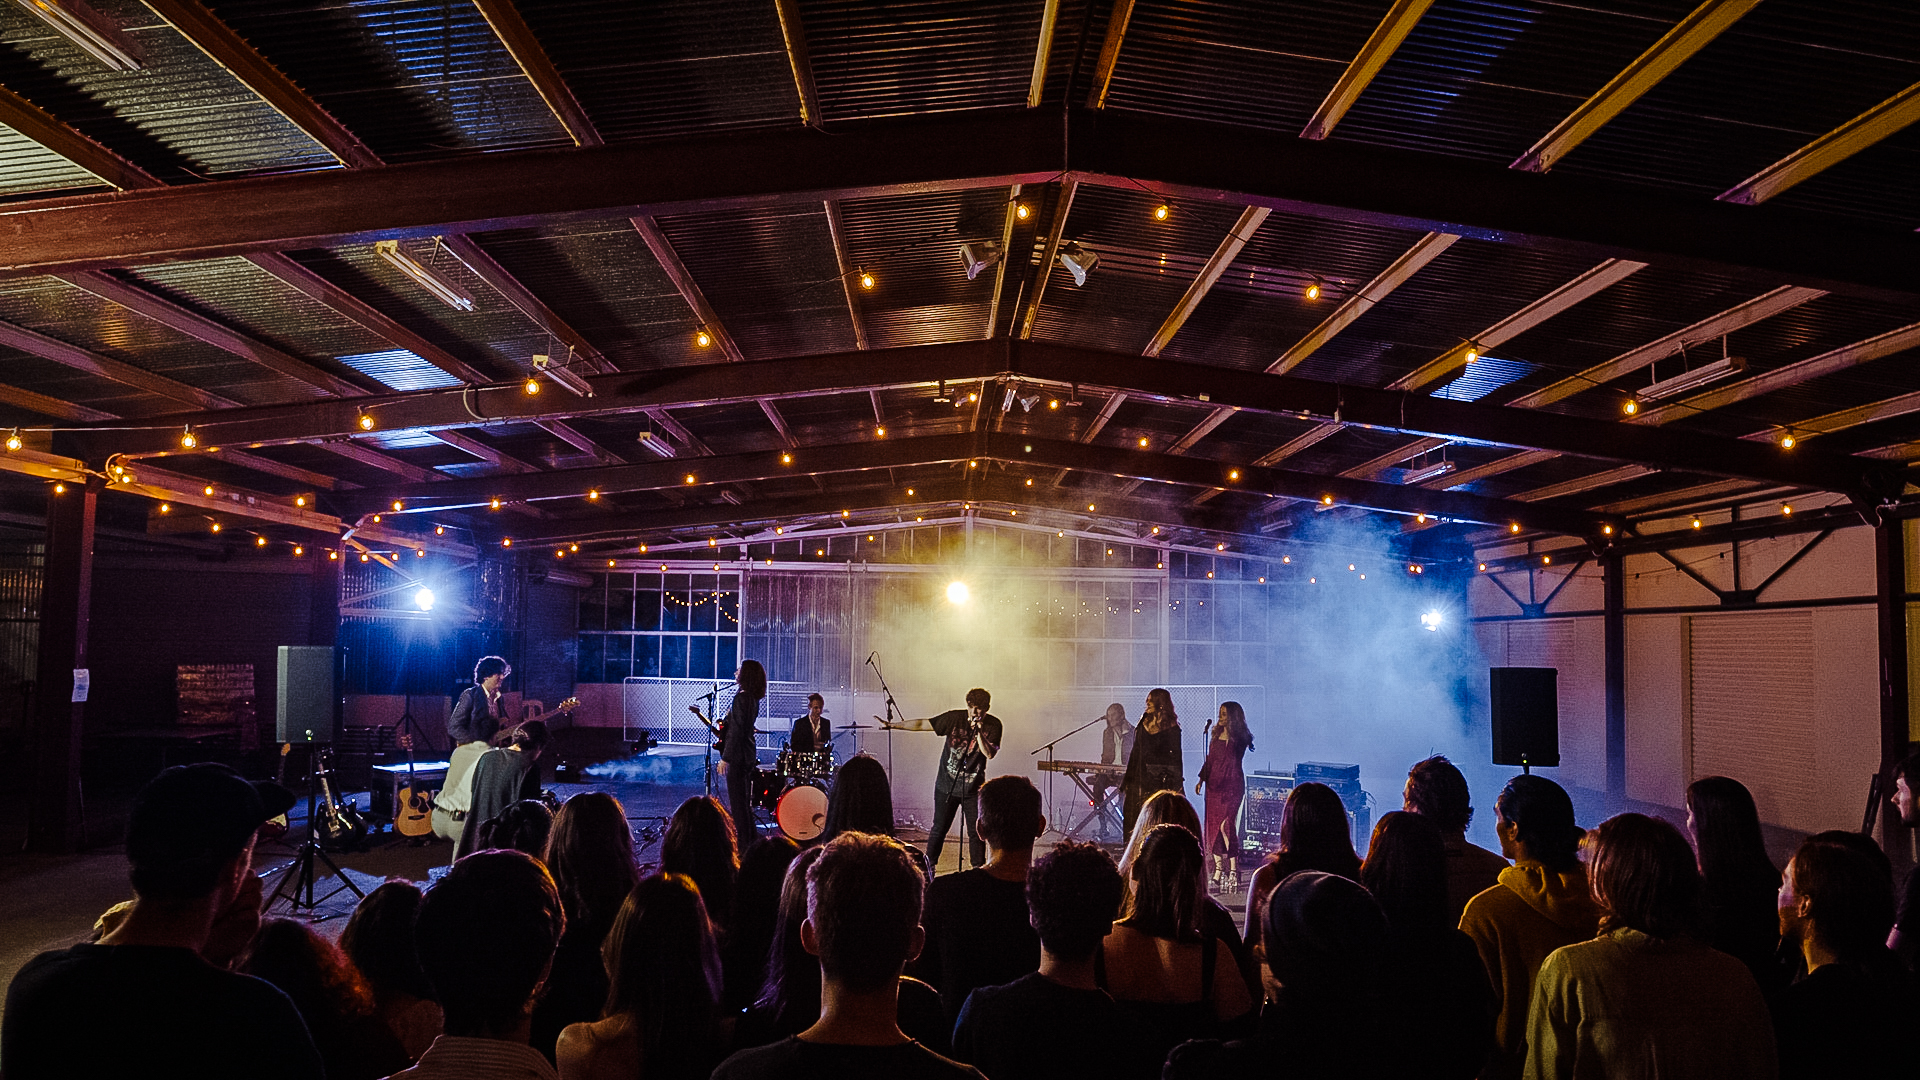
(1526, 716)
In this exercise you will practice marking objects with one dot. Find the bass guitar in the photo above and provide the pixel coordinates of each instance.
(340, 826)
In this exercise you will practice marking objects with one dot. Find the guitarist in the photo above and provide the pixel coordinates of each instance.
(474, 724)
(739, 759)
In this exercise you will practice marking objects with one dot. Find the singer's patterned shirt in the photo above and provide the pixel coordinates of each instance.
(963, 765)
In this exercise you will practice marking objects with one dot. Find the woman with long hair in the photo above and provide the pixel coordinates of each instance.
(1155, 764)
(378, 939)
(739, 752)
(861, 800)
(1435, 981)
(1225, 785)
(1315, 834)
(661, 1019)
(756, 910)
(1647, 997)
(1174, 978)
(1172, 808)
(700, 844)
(590, 854)
(332, 998)
(1742, 884)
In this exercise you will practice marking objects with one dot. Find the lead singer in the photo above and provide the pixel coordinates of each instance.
(739, 756)
(973, 737)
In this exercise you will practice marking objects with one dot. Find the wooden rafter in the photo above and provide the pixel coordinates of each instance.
(793, 32)
(1394, 27)
(525, 48)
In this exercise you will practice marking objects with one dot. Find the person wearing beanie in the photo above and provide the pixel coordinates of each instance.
(1541, 904)
(145, 996)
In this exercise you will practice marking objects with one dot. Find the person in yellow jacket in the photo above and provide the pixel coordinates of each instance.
(1540, 904)
(1648, 998)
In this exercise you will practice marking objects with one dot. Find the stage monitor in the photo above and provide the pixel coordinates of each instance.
(1526, 715)
(306, 694)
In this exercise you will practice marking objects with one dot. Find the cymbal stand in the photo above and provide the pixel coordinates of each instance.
(1053, 822)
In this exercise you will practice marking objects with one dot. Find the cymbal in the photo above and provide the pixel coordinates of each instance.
(852, 727)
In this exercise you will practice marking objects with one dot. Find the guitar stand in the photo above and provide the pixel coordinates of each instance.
(297, 885)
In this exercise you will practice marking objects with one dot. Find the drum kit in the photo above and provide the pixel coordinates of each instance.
(795, 790)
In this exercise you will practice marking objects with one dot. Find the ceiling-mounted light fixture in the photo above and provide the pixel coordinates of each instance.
(424, 276)
(1430, 472)
(1027, 403)
(563, 375)
(92, 32)
(1696, 378)
(940, 395)
(978, 256)
(1078, 261)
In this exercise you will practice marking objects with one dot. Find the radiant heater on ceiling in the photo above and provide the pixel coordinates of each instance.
(1694, 379)
(92, 32)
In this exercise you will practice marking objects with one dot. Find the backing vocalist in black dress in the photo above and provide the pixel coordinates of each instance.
(1155, 764)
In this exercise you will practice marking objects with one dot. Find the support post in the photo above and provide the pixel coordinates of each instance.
(1613, 590)
(1890, 575)
(57, 822)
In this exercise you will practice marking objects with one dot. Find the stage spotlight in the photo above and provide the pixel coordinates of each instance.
(977, 257)
(423, 599)
(1078, 261)
(957, 592)
(1431, 620)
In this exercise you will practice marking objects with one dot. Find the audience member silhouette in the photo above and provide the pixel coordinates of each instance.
(1904, 940)
(590, 854)
(756, 910)
(1174, 980)
(1740, 881)
(1058, 1021)
(332, 998)
(523, 826)
(1315, 834)
(1648, 997)
(485, 935)
(1437, 791)
(861, 800)
(1435, 981)
(661, 1020)
(789, 1003)
(1836, 907)
(1541, 903)
(977, 928)
(862, 921)
(378, 939)
(1327, 948)
(501, 778)
(700, 844)
(146, 994)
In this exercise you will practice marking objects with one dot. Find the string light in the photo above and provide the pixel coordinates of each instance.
(910, 490)
(439, 530)
(879, 431)
(702, 338)
(1143, 442)
(1233, 474)
(786, 459)
(1786, 509)
(397, 506)
(364, 557)
(419, 553)
(208, 490)
(1483, 568)
(1696, 521)
(689, 478)
(1514, 528)
(594, 495)
(333, 556)
(298, 550)
(1473, 353)
(1162, 212)
(366, 420)
(299, 500)
(1606, 530)
(13, 440)
(506, 541)
(1288, 559)
(166, 508)
(259, 541)
(494, 504)
(1630, 407)
(1053, 404)
(531, 386)
(376, 519)
(1313, 289)
(1021, 211)
(1787, 441)
(866, 280)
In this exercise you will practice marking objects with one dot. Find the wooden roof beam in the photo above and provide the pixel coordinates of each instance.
(1884, 119)
(1394, 27)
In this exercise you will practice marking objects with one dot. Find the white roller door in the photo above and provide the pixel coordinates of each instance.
(1750, 708)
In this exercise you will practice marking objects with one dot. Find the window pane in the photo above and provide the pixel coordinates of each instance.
(700, 659)
(673, 609)
(593, 606)
(646, 608)
(673, 656)
(620, 605)
(588, 665)
(726, 655)
(646, 657)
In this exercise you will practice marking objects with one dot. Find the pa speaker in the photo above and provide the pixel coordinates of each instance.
(1526, 715)
(307, 694)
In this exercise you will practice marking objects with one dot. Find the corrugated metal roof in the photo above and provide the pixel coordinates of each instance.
(894, 57)
(27, 168)
(913, 243)
(771, 276)
(410, 78)
(669, 67)
(181, 118)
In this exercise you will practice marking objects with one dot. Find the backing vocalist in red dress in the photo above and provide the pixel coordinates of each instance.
(1225, 785)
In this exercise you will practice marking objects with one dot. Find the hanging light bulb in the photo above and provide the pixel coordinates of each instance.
(366, 421)
(1022, 211)
(866, 280)
(1631, 407)
(1788, 442)
(187, 438)
(13, 440)
(702, 338)
(1313, 289)
(1162, 212)
(531, 386)
(1473, 353)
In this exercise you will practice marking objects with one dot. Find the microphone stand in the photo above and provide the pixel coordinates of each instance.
(891, 706)
(708, 697)
(1053, 821)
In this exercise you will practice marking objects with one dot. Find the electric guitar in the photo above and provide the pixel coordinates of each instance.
(339, 826)
(413, 806)
(505, 734)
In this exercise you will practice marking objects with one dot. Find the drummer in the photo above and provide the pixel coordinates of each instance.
(812, 731)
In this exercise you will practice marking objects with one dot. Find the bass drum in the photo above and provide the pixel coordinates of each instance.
(802, 812)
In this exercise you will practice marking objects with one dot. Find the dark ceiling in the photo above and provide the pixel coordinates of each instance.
(1586, 198)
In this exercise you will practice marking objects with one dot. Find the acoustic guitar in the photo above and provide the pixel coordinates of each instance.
(413, 806)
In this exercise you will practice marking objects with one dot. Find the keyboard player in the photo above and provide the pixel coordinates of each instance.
(1116, 744)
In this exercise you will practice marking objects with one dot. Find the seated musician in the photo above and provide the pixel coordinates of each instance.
(473, 727)
(812, 731)
(1116, 745)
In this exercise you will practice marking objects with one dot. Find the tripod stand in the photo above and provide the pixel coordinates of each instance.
(298, 879)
